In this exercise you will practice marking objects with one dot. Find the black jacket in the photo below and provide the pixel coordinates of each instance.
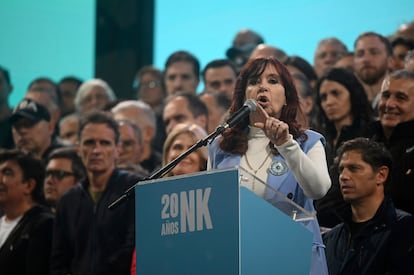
(326, 207)
(383, 245)
(401, 147)
(91, 239)
(27, 249)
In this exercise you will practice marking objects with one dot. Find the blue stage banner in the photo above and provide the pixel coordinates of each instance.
(189, 224)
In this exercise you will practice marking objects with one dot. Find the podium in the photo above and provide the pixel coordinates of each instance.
(210, 223)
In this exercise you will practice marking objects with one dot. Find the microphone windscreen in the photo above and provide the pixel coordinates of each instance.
(251, 104)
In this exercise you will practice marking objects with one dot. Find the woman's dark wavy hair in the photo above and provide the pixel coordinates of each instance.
(235, 139)
(360, 107)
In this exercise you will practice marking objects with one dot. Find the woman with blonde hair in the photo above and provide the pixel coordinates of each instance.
(182, 137)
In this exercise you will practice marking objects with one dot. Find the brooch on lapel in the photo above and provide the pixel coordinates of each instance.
(278, 167)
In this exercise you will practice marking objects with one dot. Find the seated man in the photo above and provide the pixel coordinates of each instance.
(64, 170)
(395, 128)
(33, 129)
(26, 227)
(182, 73)
(375, 237)
(89, 238)
(184, 108)
(220, 76)
(131, 148)
(217, 106)
(69, 128)
(143, 116)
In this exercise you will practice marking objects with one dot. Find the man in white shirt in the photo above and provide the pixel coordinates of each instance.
(27, 226)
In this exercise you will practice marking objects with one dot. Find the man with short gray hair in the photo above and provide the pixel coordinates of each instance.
(144, 117)
(395, 129)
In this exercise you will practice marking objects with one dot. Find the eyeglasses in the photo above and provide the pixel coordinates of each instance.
(128, 144)
(58, 174)
(149, 84)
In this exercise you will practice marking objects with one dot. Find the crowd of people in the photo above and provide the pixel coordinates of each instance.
(336, 137)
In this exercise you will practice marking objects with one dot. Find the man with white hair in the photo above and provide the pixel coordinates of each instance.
(143, 116)
(94, 94)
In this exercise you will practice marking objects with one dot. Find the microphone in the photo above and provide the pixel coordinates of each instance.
(249, 105)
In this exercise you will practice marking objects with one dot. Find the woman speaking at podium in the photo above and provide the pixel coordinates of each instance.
(270, 143)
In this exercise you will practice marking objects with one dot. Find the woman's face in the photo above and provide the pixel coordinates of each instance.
(268, 91)
(335, 101)
(190, 164)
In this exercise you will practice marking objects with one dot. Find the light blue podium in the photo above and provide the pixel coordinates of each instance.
(209, 223)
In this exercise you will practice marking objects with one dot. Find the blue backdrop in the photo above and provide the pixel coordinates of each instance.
(55, 38)
(207, 28)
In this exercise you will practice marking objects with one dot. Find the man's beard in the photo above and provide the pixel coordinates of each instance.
(371, 77)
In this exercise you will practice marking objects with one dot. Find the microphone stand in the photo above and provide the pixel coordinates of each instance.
(168, 167)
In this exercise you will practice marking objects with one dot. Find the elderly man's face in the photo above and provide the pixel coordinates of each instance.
(397, 102)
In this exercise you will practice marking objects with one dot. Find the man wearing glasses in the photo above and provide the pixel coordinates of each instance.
(64, 170)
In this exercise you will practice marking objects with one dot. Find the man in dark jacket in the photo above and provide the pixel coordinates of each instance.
(396, 130)
(89, 238)
(26, 227)
(32, 129)
(374, 238)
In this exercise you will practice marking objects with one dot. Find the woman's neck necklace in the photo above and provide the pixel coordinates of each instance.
(253, 184)
(260, 166)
